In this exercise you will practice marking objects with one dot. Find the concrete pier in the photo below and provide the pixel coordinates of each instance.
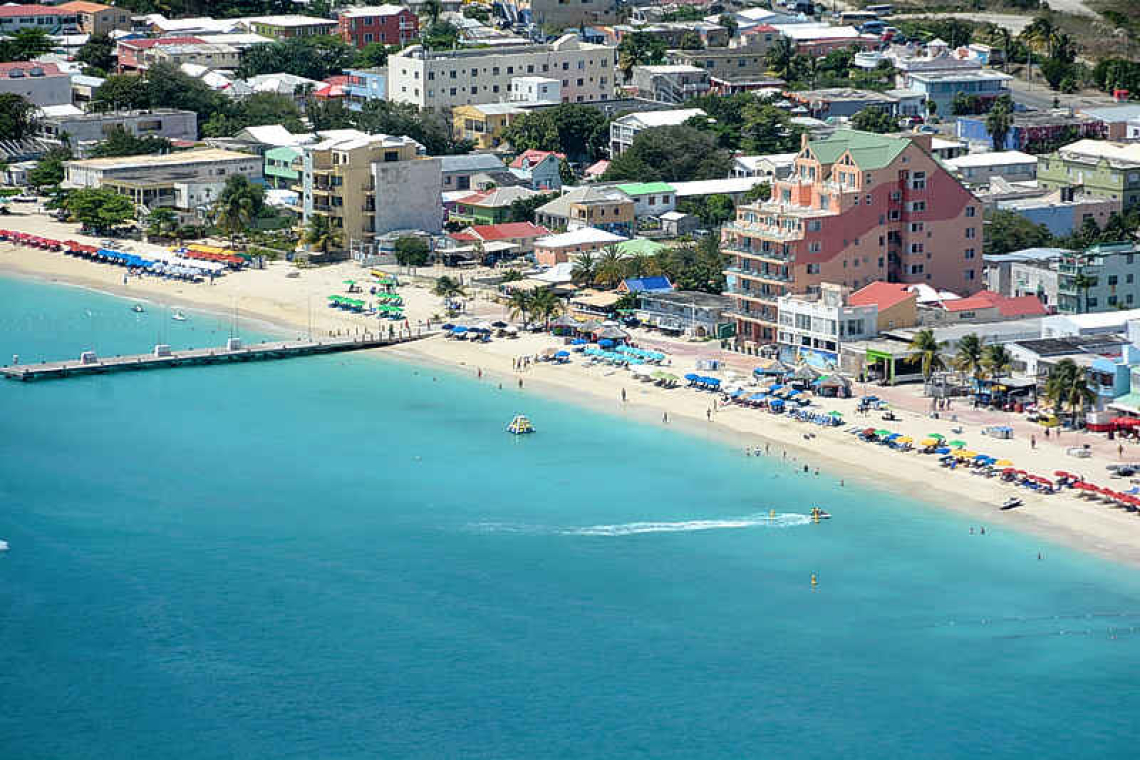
(162, 356)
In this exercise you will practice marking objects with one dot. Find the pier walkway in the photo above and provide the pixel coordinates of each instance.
(163, 356)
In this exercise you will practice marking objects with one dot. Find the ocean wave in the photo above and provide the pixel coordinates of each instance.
(782, 520)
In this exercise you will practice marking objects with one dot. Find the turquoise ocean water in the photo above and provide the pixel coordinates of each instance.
(345, 557)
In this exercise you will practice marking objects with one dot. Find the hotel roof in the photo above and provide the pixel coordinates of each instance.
(669, 118)
(996, 158)
(1110, 151)
(83, 7)
(289, 20)
(204, 155)
(372, 10)
(881, 294)
(870, 151)
(16, 11)
(581, 236)
(505, 231)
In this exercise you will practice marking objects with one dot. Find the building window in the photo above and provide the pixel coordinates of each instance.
(1112, 300)
(896, 195)
(971, 232)
(916, 226)
(971, 211)
(970, 253)
(813, 268)
(969, 274)
(918, 181)
(916, 248)
(894, 213)
(814, 247)
(918, 206)
(916, 268)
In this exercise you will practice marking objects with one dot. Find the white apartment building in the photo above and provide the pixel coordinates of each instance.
(814, 327)
(439, 80)
(535, 89)
(624, 129)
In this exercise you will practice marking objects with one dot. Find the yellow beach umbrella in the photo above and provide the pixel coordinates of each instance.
(967, 454)
(929, 441)
(904, 439)
(1003, 463)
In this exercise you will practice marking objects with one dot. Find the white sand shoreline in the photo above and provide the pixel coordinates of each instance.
(289, 305)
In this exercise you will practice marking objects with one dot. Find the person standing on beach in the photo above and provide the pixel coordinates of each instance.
(1120, 451)
(665, 417)
(1033, 442)
(708, 414)
(623, 395)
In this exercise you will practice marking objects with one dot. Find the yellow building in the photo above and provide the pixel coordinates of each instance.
(368, 185)
(483, 124)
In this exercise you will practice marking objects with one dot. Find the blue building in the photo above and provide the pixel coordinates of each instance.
(942, 86)
(1027, 129)
(364, 85)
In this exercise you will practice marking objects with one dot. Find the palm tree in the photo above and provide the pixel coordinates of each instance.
(1005, 38)
(321, 234)
(520, 305)
(640, 264)
(998, 123)
(930, 349)
(997, 359)
(1067, 385)
(237, 205)
(585, 269)
(611, 267)
(448, 288)
(1039, 34)
(968, 359)
(544, 305)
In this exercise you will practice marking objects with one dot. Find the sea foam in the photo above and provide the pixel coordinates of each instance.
(783, 520)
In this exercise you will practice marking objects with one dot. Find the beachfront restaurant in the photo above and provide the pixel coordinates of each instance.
(594, 304)
(881, 361)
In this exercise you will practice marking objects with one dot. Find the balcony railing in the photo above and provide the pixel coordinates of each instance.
(758, 274)
(758, 253)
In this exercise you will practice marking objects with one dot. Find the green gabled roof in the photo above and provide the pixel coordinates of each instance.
(285, 153)
(639, 245)
(645, 188)
(869, 150)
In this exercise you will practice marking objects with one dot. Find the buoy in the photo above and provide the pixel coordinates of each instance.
(814, 583)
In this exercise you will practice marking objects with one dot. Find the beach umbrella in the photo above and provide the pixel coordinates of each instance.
(692, 377)
(605, 343)
(882, 433)
(942, 450)
(579, 342)
(929, 442)
(1062, 474)
(904, 439)
(499, 324)
(1003, 463)
(834, 413)
(561, 354)
(957, 444)
(939, 436)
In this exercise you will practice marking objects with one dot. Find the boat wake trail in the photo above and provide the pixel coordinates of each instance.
(784, 520)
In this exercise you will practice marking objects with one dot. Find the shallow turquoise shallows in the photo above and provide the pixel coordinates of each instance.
(347, 557)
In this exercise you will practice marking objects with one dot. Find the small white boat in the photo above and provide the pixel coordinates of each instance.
(520, 425)
(3, 546)
(1011, 503)
(178, 316)
(137, 309)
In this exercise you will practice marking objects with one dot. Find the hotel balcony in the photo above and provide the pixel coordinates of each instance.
(764, 232)
(761, 275)
(757, 253)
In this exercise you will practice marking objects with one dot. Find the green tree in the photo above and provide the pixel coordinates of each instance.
(439, 35)
(691, 41)
(119, 142)
(532, 131)
(1067, 386)
(522, 209)
(17, 117)
(930, 351)
(372, 55)
(433, 9)
(1084, 283)
(322, 235)
(391, 118)
(671, 154)
(255, 110)
(161, 222)
(519, 305)
(768, 129)
(566, 172)
(317, 57)
(996, 359)
(25, 44)
(97, 54)
(968, 359)
(872, 119)
(585, 270)
(1009, 231)
(999, 121)
(610, 269)
(544, 305)
(780, 56)
(99, 209)
(49, 170)
(448, 288)
(639, 49)
(121, 92)
(238, 205)
(411, 251)
(169, 87)
(328, 114)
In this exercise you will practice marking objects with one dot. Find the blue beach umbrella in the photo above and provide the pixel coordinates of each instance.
(561, 354)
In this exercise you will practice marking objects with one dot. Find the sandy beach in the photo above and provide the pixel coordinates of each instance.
(297, 304)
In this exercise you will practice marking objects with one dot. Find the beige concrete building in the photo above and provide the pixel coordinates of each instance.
(96, 18)
(208, 163)
(483, 124)
(440, 80)
(368, 185)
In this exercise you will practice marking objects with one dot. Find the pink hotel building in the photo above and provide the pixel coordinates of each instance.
(859, 207)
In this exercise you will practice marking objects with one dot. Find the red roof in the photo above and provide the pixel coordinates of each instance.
(1022, 306)
(530, 158)
(49, 69)
(760, 28)
(145, 44)
(598, 167)
(881, 294)
(12, 11)
(505, 231)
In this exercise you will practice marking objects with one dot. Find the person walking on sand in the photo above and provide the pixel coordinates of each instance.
(1120, 451)
(623, 395)
(520, 382)
(1033, 442)
(665, 417)
(708, 414)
